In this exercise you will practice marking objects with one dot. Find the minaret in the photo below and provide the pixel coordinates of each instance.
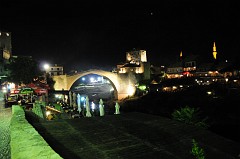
(214, 51)
(181, 59)
(181, 55)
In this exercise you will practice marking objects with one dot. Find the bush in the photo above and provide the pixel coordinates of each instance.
(196, 151)
(190, 116)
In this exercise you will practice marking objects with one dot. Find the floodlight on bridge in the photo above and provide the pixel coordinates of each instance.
(83, 98)
(131, 90)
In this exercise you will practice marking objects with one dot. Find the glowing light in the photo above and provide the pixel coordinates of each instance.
(99, 78)
(92, 79)
(48, 113)
(4, 89)
(93, 106)
(11, 85)
(142, 87)
(209, 93)
(58, 96)
(128, 57)
(214, 51)
(46, 66)
(82, 98)
(111, 89)
(130, 90)
(122, 70)
(83, 78)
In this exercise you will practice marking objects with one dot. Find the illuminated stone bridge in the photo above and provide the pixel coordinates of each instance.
(123, 86)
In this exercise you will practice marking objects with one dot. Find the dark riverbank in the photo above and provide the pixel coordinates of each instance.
(221, 108)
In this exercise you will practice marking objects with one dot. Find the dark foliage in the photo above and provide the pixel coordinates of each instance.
(23, 70)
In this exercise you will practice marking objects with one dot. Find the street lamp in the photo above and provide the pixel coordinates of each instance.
(46, 69)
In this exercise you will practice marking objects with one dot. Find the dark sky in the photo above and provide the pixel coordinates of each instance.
(81, 35)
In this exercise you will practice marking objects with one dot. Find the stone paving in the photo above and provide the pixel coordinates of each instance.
(5, 118)
(130, 136)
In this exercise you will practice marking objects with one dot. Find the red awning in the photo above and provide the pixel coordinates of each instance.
(15, 91)
(41, 91)
(186, 73)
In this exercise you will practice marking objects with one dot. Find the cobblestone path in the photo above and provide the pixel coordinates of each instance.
(5, 118)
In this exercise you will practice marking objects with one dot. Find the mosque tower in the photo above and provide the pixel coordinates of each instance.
(181, 55)
(214, 51)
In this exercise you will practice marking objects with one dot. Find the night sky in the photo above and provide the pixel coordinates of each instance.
(97, 35)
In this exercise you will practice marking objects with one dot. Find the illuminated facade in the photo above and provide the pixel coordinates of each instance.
(175, 71)
(55, 70)
(136, 56)
(136, 62)
(128, 67)
(194, 65)
(204, 70)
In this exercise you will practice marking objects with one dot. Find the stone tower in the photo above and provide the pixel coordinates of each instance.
(5, 51)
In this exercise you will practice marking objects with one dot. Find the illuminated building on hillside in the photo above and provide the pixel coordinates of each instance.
(136, 62)
(55, 70)
(136, 56)
(195, 65)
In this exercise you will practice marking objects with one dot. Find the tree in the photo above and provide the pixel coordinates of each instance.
(23, 70)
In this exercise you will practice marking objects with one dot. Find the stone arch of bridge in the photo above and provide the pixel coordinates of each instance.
(112, 77)
(121, 85)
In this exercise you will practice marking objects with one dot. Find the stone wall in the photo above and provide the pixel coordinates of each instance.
(26, 142)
